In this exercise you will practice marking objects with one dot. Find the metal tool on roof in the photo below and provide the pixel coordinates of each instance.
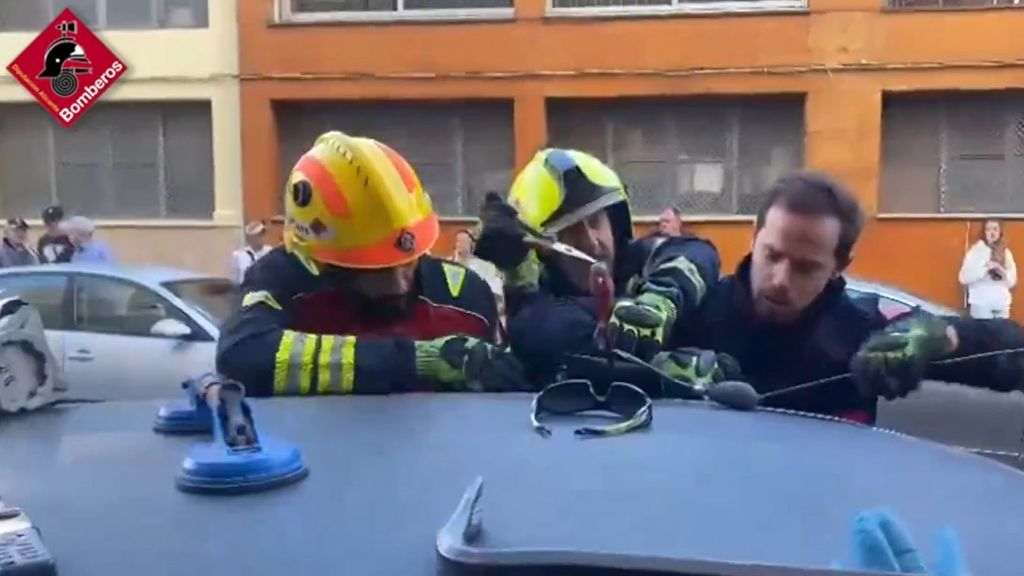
(239, 459)
(553, 245)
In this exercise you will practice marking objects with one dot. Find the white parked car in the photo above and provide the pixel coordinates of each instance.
(125, 332)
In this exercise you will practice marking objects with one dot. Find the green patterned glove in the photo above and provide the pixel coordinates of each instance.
(640, 325)
(700, 368)
(892, 363)
(464, 364)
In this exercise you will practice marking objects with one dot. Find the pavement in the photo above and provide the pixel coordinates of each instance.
(955, 414)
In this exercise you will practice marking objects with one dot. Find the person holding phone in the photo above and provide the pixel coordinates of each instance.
(989, 274)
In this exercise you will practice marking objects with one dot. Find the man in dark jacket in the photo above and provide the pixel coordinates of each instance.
(54, 246)
(575, 198)
(786, 317)
(352, 303)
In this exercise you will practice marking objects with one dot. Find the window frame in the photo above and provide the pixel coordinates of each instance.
(733, 109)
(942, 102)
(892, 5)
(460, 131)
(102, 19)
(285, 15)
(680, 7)
(166, 112)
(199, 334)
(65, 303)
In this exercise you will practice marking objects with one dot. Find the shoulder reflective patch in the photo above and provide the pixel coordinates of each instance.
(260, 297)
(306, 262)
(455, 276)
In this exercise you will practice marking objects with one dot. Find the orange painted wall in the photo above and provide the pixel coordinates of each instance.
(843, 55)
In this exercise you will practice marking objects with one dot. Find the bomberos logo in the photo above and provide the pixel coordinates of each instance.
(67, 68)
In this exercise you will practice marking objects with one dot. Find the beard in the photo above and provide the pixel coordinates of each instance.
(385, 309)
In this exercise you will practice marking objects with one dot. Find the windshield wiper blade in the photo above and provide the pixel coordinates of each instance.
(460, 551)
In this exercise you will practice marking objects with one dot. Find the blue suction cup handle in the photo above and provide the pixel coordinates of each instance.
(192, 416)
(235, 427)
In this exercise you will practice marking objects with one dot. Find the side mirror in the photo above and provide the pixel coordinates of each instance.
(170, 328)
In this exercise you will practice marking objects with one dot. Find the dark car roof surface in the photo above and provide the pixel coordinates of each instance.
(386, 473)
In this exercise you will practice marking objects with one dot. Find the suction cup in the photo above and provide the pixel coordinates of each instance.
(238, 460)
(191, 416)
(217, 469)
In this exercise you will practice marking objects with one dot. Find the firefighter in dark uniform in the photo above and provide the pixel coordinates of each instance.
(573, 196)
(352, 303)
(786, 317)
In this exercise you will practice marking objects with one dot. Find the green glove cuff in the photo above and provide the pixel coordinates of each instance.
(431, 362)
(926, 336)
(660, 303)
(525, 276)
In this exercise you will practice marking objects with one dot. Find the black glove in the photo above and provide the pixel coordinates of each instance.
(893, 362)
(465, 364)
(700, 368)
(501, 234)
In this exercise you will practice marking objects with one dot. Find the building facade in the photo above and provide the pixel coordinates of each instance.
(918, 105)
(157, 161)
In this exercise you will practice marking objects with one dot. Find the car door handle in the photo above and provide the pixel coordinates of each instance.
(81, 355)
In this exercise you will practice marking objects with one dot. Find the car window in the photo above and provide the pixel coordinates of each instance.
(45, 292)
(215, 298)
(114, 306)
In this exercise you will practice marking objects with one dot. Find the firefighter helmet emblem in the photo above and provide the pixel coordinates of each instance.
(406, 241)
(302, 193)
(65, 60)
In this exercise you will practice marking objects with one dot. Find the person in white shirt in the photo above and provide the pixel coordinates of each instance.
(465, 243)
(255, 248)
(989, 274)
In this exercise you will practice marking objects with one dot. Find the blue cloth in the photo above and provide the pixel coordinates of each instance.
(880, 543)
(93, 252)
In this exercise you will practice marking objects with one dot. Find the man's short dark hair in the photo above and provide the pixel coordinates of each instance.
(816, 194)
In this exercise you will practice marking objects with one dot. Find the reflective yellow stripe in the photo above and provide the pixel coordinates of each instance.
(324, 374)
(455, 276)
(260, 297)
(348, 364)
(293, 363)
(306, 371)
(281, 362)
(306, 262)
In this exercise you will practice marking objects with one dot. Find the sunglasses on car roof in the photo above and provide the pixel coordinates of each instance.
(579, 396)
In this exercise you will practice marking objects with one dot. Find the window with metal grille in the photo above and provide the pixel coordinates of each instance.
(911, 4)
(708, 157)
(326, 10)
(459, 150)
(953, 154)
(640, 6)
(120, 161)
(33, 15)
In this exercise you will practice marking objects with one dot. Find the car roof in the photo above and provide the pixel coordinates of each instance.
(146, 274)
(703, 482)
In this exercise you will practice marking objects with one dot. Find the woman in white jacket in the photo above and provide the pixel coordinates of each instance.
(989, 273)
